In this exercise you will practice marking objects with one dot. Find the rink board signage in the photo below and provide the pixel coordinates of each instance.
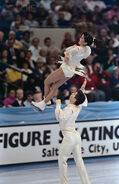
(36, 143)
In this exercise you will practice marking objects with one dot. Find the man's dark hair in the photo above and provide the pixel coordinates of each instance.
(80, 97)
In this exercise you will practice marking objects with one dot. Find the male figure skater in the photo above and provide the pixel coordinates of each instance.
(72, 141)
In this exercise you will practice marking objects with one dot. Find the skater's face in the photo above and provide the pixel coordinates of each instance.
(82, 41)
(72, 98)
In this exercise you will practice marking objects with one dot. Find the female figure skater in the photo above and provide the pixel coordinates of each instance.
(70, 65)
(71, 138)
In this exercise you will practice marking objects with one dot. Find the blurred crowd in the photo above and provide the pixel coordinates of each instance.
(24, 63)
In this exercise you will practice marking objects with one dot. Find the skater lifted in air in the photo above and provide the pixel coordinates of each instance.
(70, 65)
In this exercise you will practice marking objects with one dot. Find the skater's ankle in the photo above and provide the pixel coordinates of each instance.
(45, 100)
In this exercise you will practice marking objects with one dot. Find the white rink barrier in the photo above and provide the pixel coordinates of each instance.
(37, 143)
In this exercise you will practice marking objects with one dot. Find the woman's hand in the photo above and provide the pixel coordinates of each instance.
(84, 84)
(58, 102)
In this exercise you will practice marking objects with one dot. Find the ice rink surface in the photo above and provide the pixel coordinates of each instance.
(100, 171)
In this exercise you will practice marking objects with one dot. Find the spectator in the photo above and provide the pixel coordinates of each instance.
(61, 20)
(56, 96)
(90, 4)
(3, 66)
(46, 4)
(31, 84)
(53, 11)
(66, 10)
(50, 21)
(104, 35)
(76, 3)
(114, 24)
(30, 8)
(115, 40)
(84, 8)
(17, 44)
(39, 67)
(64, 95)
(89, 65)
(18, 31)
(39, 72)
(110, 60)
(100, 4)
(26, 71)
(19, 98)
(10, 99)
(38, 96)
(95, 20)
(18, 9)
(42, 15)
(109, 3)
(43, 54)
(113, 12)
(114, 81)
(29, 59)
(103, 80)
(73, 89)
(18, 18)
(21, 58)
(51, 63)
(26, 40)
(4, 61)
(7, 14)
(2, 43)
(29, 98)
(13, 52)
(35, 48)
(48, 45)
(12, 75)
(67, 42)
(30, 22)
(22, 3)
(91, 90)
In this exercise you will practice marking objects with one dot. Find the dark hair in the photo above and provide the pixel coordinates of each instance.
(26, 32)
(14, 61)
(80, 98)
(88, 38)
(29, 93)
(47, 38)
(99, 44)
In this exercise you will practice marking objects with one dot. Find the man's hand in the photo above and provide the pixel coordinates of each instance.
(58, 102)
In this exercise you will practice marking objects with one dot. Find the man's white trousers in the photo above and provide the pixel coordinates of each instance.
(71, 144)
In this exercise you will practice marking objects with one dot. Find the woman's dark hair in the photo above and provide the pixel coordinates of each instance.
(80, 98)
(88, 38)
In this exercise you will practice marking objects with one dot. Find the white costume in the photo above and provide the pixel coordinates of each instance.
(74, 54)
(71, 142)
